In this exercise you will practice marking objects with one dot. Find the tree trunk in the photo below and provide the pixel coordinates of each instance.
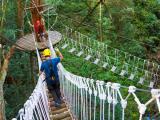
(35, 12)
(20, 15)
(3, 74)
(32, 65)
(0, 54)
(2, 102)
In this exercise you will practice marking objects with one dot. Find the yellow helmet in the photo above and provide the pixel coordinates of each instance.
(47, 53)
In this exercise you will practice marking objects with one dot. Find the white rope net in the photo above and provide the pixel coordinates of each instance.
(89, 99)
(122, 63)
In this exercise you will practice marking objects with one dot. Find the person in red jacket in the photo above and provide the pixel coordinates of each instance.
(39, 28)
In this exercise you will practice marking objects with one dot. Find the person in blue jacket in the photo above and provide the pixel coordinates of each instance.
(49, 67)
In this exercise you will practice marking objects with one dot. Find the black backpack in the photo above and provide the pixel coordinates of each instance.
(52, 75)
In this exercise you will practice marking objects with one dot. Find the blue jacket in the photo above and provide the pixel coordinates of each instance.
(48, 71)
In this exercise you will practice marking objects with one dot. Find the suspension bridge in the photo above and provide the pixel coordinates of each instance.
(86, 98)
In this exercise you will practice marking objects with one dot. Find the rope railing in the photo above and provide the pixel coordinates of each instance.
(88, 99)
(91, 100)
(120, 62)
(36, 107)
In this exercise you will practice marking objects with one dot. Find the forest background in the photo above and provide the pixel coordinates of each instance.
(129, 25)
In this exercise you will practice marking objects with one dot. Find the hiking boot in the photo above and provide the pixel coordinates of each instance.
(57, 104)
(60, 102)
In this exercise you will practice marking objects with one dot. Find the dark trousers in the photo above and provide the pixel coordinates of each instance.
(55, 91)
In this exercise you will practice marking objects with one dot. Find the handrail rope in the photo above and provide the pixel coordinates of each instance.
(144, 60)
(141, 89)
(117, 49)
(56, 19)
(140, 70)
(115, 91)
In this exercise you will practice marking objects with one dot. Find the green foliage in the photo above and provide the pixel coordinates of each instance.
(55, 2)
(146, 19)
(19, 89)
(15, 96)
(134, 47)
(108, 29)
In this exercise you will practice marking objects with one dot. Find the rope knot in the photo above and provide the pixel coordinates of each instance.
(90, 91)
(142, 108)
(102, 96)
(124, 104)
(95, 93)
(109, 98)
(115, 86)
(115, 101)
(132, 89)
(108, 84)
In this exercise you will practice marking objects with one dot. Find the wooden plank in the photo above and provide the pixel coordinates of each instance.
(53, 108)
(67, 118)
(59, 111)
(60, 116)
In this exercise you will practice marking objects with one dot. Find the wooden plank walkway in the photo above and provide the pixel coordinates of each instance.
(59, 113)
(27, 42)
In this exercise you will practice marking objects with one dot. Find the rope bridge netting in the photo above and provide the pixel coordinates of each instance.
(142, 71)
(90, 99)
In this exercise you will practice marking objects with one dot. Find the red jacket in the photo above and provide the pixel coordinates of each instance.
(39, 28)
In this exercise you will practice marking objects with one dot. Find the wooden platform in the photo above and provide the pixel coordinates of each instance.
(27, 42)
